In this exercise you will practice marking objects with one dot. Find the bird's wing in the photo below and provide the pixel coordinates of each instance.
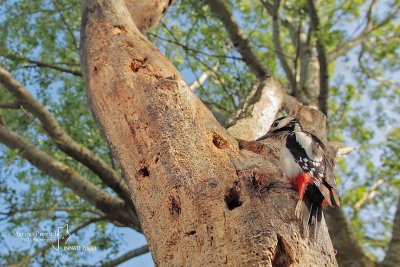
(329, 177)
(310, 156)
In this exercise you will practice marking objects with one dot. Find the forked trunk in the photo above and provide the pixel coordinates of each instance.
(196, 192)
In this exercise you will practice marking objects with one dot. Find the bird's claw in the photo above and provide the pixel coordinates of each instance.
(275, 183)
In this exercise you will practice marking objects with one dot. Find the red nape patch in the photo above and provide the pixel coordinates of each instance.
(301, 182)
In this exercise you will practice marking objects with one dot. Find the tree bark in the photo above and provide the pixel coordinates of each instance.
(150, 12)
(349, 251)
(196, 192)
(392, 257)
(257, 111)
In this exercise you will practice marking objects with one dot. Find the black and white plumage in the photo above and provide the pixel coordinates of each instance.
(305, 163)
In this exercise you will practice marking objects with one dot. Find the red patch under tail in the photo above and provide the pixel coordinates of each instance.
(301, 182)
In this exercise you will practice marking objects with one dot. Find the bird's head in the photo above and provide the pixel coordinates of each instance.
(282, 125)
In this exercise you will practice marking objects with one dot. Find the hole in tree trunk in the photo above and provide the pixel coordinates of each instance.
(175, 208)
(232, 199)
(122, 28)
(190, 233)
(218, 141)
(144, 171)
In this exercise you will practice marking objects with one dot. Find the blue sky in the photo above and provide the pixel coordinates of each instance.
(129, 237)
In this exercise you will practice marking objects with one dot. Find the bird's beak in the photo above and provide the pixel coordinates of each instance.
(269, 134)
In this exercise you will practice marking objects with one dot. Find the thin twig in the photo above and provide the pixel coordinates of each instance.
(127, 256)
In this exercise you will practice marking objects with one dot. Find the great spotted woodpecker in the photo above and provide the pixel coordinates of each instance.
(304, 162)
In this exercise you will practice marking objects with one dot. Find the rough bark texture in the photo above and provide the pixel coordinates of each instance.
(196, 192)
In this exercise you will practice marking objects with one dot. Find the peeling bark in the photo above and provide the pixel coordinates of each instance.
(146, 14)
(257, 111)
(197, 193)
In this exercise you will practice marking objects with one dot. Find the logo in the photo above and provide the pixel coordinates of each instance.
(58, 239)
(62, 238)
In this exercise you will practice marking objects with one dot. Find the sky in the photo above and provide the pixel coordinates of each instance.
(129, 237)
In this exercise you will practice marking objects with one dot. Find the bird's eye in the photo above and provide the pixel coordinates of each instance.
(275, 124)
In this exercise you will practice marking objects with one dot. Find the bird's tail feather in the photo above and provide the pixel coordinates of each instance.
(311, 216)
(335, 197)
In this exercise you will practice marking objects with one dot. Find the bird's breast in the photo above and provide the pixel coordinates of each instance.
(289, 166)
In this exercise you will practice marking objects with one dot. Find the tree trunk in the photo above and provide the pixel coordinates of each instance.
(196, 192)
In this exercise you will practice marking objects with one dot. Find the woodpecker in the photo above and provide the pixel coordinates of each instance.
(304, 162)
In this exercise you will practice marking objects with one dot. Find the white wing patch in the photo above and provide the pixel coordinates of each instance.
(306, 143)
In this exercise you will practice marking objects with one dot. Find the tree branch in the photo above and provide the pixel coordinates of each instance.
(45, 65)
(368, 195)
(181, 165)
(221, 11)
(370, 74)
(150, 12)
(339, 149)
(14, 105)
(349, 252)
(187, 48)
(369, 28)
(229, 94)
(63, 140)
(203, 78)
(392, 257)
(70, 178)
(127, 256)
(276, 32)
(13, 212)
(69, 29)
(257, 111)
(322, 58)
(306, 90)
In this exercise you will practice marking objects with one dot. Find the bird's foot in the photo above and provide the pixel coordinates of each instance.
(275, 183)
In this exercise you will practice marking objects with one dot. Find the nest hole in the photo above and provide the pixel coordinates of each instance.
(144, 171)
(232, 199)
(219, 142)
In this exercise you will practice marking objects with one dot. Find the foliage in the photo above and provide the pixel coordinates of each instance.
(363, 100)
